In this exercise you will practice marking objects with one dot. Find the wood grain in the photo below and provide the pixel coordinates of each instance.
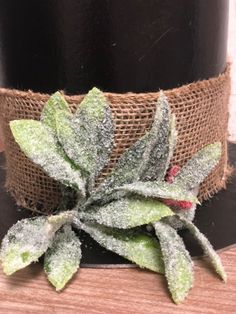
(128, 291)
(118, 291)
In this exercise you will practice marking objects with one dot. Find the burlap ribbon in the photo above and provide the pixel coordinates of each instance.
(201, 110)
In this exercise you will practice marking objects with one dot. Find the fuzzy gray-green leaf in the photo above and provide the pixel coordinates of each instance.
(128, 213)
(159, 190)
(177, 261)
(68, 137)
(189, 214)
(90, 134)
(148, 158)
(62, 259)
(199, 166)
(174, 220)
(161, 143)
(94, 126)
(40, 145)
(172, 140)
(126, 171)
(28, 239)
(136, 247)
(206, 246)
(24, 243)
(54, 104)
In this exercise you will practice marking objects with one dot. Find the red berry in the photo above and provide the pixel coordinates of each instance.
(177, 204)
(171, 173)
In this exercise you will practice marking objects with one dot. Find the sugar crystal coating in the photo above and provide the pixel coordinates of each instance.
(177, 261)
(206, 246)
(73, 149)
(136, 247)
(24, 243)
(62, 259)
(160, 190)
(40, 145)
(128, 212)
(199, 166)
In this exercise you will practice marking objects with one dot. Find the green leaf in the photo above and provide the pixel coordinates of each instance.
(87, 137)
(128, 213)
(173, 135)
(159, 190)
(95, 132)
(24, 243)
(174, 220)
(54, 104)
(68, 138)
(28, 239)
(161, 144)
(136, 247)
(177, 261)
(62, 259)
(40, 145)
(126, 170)
(148, 158)
(199, 166)
(206, 246)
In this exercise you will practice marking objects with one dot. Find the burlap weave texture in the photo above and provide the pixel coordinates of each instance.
(201, 111)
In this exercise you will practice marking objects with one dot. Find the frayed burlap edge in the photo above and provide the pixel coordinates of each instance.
(201, 110)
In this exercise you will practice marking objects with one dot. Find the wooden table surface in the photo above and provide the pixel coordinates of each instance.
(118, 291)
(127, 290)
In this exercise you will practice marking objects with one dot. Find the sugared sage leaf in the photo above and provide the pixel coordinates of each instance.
(40, 145)
(24, 243)
(199, 166)
(162, 139)
(62, 259)
(174, 220)
(148, 158)
(128, 213)
(206, 246)
(54, 104)
(94, 134)
(136, 247)
(28, 239)
(159, 190)
(177, 261)
(126, 171)
(68, 137)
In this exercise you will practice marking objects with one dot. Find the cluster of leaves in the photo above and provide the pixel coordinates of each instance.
(73, 149)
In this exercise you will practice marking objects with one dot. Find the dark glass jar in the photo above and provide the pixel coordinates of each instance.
(118, 46)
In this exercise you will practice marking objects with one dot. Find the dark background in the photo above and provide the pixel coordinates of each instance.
(116, 45)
